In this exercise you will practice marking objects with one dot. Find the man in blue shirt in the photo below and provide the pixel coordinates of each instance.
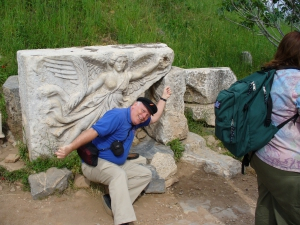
(125, 180)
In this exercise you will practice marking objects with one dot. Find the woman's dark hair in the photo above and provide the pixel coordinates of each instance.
(288, 51)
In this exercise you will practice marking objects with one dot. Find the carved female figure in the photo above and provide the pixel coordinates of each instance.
(98, 89)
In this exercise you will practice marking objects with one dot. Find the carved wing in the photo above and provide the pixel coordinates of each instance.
(71, 68)
(141, 61)
(95, 66)
(135, 67)
(68, 67)
(136, 85)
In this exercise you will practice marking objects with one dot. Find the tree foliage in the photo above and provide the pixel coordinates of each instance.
(270, 18)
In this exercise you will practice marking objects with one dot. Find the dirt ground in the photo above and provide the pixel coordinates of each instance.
(197, 199)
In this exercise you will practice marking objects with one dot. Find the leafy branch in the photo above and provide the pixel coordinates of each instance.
(263, 17)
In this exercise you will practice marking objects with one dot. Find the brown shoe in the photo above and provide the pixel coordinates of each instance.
(132, 156)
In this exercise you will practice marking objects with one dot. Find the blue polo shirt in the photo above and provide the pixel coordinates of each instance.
(115, 125)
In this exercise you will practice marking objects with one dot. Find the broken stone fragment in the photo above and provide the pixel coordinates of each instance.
(12, 158)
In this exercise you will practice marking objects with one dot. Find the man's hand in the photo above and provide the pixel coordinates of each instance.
(167, 92)
(85, 137)
(63, 151)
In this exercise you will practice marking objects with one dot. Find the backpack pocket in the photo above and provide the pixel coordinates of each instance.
(224, 112)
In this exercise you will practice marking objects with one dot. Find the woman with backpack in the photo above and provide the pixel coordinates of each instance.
(277, 164)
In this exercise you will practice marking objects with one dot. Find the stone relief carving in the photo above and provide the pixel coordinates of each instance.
(77, 90)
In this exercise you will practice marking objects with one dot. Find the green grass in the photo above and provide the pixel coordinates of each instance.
(191, 28)
(41, 164)
(177, 147)
(197, 127)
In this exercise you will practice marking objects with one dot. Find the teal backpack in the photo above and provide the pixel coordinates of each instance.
(243, 115)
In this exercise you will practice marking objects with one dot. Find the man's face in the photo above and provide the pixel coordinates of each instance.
(139, 113)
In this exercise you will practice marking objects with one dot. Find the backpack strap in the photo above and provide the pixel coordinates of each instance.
(268, 119)
(294, 118)
(269, 105)
(246, 161)
(247, 158)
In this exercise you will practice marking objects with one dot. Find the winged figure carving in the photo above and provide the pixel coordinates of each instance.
(87, 87)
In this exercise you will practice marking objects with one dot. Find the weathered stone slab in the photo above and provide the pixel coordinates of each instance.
(204, 84)
(246, 58)
(12, 166)
(202, 112)
(164, 164)
(199, 155)
(44, 184)
(13, 106)
(157, 184)
(64, 91)
(12, 158)
(173, 123)
(148, 148)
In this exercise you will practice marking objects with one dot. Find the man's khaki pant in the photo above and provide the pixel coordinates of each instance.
(125, 183)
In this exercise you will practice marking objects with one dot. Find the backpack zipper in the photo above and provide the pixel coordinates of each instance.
(232, 131)
(265, 94)
(252, 87)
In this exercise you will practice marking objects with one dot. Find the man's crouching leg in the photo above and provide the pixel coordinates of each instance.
(116, 178)
(138, 178)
